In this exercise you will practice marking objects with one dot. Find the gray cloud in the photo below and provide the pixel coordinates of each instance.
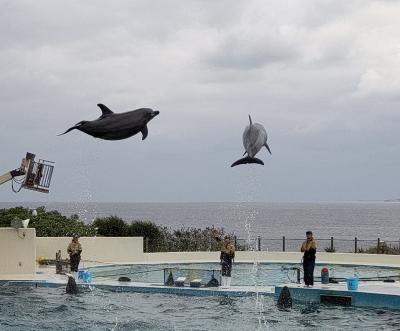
(321, 76)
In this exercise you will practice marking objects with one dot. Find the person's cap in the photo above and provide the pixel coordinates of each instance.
(75, 236)
(309, 232)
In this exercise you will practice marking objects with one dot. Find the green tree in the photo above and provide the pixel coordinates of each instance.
(111, 226)
(48, 224)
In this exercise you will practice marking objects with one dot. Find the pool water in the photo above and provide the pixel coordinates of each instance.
(29, 308)
(263, 274)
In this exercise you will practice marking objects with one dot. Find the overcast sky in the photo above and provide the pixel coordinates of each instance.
(323, 77)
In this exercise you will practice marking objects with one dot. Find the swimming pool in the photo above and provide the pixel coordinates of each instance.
(29, 308)
(263, 274)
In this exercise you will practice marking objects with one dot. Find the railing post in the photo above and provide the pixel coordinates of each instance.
(259, 243)
(235, 240)
(355, 245)
(379, 245)
(332, 244)
(146, 242)
(283, 244)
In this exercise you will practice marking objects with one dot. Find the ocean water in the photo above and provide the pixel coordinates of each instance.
(364, 220)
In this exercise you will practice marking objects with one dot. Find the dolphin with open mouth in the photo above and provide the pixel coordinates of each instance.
(117, 126)
(254, 138)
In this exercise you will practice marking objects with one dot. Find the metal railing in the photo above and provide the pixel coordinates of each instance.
(283, 244)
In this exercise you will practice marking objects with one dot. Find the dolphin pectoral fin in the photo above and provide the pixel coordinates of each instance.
(145, 132)
(267, 147)
(246, 160)
(104, 110)
(245, 152)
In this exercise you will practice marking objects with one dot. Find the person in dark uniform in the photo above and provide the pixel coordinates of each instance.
(227, 256)
(74, 250)
(309, 248)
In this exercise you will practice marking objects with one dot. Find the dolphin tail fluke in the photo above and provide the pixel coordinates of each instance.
(246, 160)
(267, 147)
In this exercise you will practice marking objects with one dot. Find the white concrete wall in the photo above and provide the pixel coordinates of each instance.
(96, 249)
(130, 250)
(17, 252)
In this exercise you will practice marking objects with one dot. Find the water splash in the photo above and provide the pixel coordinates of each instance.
(247, 215)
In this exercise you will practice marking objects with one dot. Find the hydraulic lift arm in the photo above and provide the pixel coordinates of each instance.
(10, 175)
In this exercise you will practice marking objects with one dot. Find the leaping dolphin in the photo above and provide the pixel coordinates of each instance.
(112, 126)
(254, 138)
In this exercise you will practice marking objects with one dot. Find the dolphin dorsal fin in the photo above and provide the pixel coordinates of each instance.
(105, 110)
(251, 122)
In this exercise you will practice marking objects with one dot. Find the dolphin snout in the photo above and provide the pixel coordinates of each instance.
(155, 113)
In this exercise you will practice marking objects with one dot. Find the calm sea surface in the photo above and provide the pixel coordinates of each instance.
(365, 220)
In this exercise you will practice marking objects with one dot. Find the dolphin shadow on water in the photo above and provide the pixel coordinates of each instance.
(117, 126)
(254, 138)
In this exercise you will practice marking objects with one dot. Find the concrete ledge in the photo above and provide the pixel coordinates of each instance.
(137, 287)
(375, 295)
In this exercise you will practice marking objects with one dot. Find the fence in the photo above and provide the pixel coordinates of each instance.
(377, 246)
(283, 244)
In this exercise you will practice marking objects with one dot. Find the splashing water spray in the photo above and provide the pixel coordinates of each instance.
(248, 217)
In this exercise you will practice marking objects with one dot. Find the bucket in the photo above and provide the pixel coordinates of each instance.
(85, 276)
(352, 283)
(324, 276)
(88, 277)
(81, 274)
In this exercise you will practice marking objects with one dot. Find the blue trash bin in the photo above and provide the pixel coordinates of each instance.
(352, 283)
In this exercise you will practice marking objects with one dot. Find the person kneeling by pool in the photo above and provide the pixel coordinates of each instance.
(227, 256)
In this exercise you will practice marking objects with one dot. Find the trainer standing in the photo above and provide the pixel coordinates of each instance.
(227, 256)
(309, 248)
(74, 250)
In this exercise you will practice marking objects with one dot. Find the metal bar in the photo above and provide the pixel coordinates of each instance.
(283, 244)
(379, 245)
(331, 244)
(355, 245)
(259, 243)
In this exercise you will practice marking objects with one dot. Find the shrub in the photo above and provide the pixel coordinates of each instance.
(145, 229)
(111, 226)
(47, 224)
